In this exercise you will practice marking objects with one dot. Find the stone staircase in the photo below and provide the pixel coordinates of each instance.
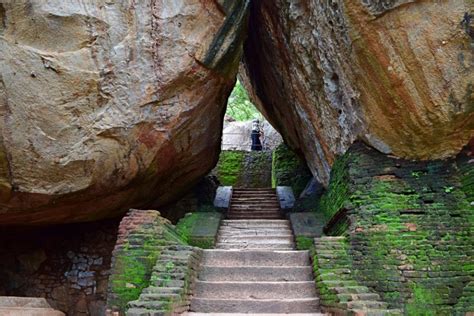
(255, 269)
(339, 291)
(254, 204)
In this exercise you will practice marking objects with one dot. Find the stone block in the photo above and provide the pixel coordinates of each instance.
(223, 197)
(286, 197)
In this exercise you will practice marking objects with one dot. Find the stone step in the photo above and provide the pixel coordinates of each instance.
(254, 290)
(254, 236)
(145, 312)
(29, 311)
(253, 189)
(255, 306)
(254, 216)
(256, 203)
(359, 304)
(351, 290)
(260, 258)
(246, 223)
(339, 283)
(246, 314)
(377, 312)
(361, 297)
(254, 246)
(262, 195)
(256, 239)
(216, 273)
(255, 232)
(247, 191)
(255, 207)
(153, 305)
(255, 213)
(32, 302)
(255, 199)
(158, 297)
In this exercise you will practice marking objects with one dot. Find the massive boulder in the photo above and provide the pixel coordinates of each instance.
(397, 74)
(106, 105)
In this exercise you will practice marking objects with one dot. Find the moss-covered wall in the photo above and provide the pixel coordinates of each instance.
(411, 227)
(143, 235)
(289, 170)
(244, 169)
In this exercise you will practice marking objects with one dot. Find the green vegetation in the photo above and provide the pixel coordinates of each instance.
(289, 170)
(412, 223)
(338, 191)
(230, 167)
(239, 106)
(244, 169)
(304, 243)
(199, 229)
(133, 271)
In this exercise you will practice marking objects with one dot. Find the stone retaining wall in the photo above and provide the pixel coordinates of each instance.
(68, 265)
(409, 226)
(142, 237)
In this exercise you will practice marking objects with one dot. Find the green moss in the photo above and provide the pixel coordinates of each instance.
(229, 167)
(304, 243)
(422, 302)
(133, 268)
(410, 227)
(338, 193)
(289, 170)
(199, 229)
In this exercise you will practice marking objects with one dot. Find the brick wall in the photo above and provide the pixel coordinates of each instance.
(410, 227)
(142, 236)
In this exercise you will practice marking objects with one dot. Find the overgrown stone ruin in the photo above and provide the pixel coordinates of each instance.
(112, 137)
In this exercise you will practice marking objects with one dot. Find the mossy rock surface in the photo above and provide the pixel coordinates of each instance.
(244, 169)
(289, 170)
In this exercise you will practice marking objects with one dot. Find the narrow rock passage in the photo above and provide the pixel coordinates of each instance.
(255, 268)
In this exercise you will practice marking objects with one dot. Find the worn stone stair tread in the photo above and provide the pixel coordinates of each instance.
(360, 304)
(246, 314)
(255, 247)
(360, 296)
(157, 304)
(157, 296)
(253, 237)
(256, 306)
(251, 273)
(256, 257)
(29, 311)
(145, 312)
(258, 239)
(278, 221)
(254, 215)
(351, 290)
(254, 290)
(377, 312)
(256, 232)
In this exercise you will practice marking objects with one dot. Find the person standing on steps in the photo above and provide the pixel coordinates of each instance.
(256, 134)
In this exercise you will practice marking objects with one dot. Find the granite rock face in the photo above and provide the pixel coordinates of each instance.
(106, 105)
(397, 74)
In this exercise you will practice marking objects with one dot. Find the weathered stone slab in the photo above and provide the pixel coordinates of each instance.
(306, 224)
(223, 196)
(286, 197)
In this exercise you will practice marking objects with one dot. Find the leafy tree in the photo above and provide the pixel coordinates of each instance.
(239, 106)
